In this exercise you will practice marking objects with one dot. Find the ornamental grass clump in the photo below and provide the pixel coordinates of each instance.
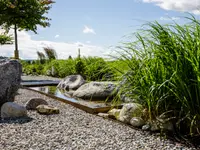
(164, 73)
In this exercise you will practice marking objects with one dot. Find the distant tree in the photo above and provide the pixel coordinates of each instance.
(50, 53)
(79, 53)
(70, 57)
(41, 57)
(24, 15)
(5, 39)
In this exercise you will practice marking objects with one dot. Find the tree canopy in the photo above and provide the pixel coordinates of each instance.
(25, 14)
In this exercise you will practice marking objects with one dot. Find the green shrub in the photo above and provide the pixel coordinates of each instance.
(67, 67)
(91, 68)
(97, 69)
(118, 67)
(79, 66)
(32, 69)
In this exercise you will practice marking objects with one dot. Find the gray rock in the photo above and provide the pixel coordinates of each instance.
(47, 110)
(71, 82)
(146, 127)
(34, 102)
(114, 113)
(12, 110)
(96, 91)
(137, 122)
(167, 126)
(154, 126)
(165, 122)
(69, 93)
(10, 79)
(129, 111)
(104, 115)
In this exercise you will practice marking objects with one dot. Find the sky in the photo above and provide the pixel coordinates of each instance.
(97, 27)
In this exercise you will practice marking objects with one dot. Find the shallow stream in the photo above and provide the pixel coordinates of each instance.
(61, 94)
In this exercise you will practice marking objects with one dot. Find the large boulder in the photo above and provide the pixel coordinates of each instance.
(12, 110)
(71, 82)
(34, 102)
(10, 79)
(129, 111)
(96, 91)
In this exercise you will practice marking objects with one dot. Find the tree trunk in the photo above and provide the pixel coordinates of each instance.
(16, 44)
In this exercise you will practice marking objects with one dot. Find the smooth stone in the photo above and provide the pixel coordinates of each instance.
(137, 122)
(34, 102)
(114, 113)
(96, 91)
(104, 115)
(129, 111)
(71, 82)
(12, 110)
(146, 127)
(47, 110)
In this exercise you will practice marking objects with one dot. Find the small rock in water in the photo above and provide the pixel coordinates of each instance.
(71, 82)
(47, 110)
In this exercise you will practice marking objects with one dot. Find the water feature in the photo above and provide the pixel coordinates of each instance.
(52, 90)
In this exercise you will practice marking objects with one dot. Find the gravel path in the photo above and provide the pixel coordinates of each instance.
(73, 129)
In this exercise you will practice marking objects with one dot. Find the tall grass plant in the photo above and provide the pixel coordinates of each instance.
(164, 66)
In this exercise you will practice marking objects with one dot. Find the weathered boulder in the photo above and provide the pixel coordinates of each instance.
(96, 91)
(71, 82)
(34, 102)
(129, 111)
(47, 110)
(137, 122)
(10, 79)
(114, 113)
(12, 110)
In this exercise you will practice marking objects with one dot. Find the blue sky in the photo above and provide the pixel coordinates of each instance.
(95, 25)
(110, 19)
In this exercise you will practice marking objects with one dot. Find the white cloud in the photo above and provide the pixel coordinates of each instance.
(88, 30)
(192, 6)
(57, 36)
(29, 47)
(169, 18)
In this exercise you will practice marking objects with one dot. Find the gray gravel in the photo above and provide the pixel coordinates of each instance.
(73, 129)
